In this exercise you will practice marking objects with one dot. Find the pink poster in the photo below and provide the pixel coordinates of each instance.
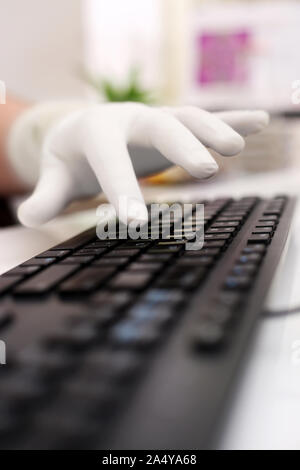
(222, 57)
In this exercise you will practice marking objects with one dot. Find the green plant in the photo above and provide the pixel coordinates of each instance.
(132, 91)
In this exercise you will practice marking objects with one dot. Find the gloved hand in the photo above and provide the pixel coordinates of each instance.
(73, 150)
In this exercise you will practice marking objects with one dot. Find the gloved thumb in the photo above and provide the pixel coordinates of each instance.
(52, 194)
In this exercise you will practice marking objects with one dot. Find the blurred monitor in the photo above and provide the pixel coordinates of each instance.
(243, 54)
(218, 54)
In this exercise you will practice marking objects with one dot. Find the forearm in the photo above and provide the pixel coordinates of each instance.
(9, 112)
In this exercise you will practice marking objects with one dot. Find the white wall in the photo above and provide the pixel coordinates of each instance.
(41, 47)
(121, 34)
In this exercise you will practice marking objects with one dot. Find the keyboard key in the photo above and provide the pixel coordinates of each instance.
(203, 252)
(265, 218)
(131, 334)
(236, 216)
(100, 316)
(244, 270)
(54, 254)
(259, 238)
(87, 280)
(238, 282)
(131, 280)
(178, 243)
(250, 258)
(214, 244)
(107, 298)
(102, 244)
(147, 313)
(74, 337)
(104, 309)
(43, 282)
(175, 237)
(263, 230)
(217, 236)
(254, 249)
(153, 267)
(159, 296)
(165, 249)
(230, 298)
(39, 262)
(182, 277)
(226, 224)
(8, 282)
(77, 260)
(181, 232)
(208, 335)
(122, 253)
(139, 244)
(22, 271)
(111, 262)
(197, 261)
(134, 247)
(160, 257)
(221, 230)
(272, 212)
(220, 314)
(266, 223)
(233, 218)
(89, 252)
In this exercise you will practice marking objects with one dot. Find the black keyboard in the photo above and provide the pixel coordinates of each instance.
(134, 344)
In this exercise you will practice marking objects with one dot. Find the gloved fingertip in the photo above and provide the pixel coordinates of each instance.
(209, 170)
(200, 169)
(262, 119)
(28, 215)
(134, 211)
(232, 145)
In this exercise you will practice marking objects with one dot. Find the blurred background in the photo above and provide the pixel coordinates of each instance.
(217, 54)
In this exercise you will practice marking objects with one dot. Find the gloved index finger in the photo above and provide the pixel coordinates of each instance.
(107, 154)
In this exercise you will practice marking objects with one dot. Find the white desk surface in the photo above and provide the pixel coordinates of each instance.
(265, 413)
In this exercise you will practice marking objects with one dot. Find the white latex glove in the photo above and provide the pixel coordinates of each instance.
(73, 150)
